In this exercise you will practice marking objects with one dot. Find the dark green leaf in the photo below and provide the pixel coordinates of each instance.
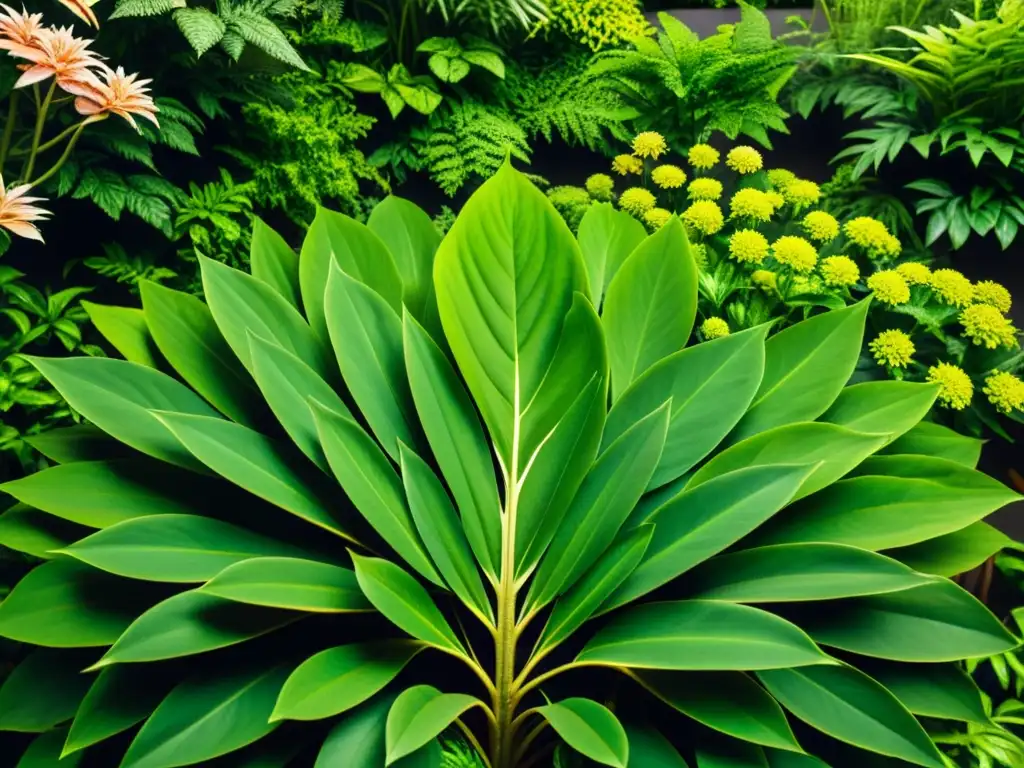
(285, 582)
(44, 690)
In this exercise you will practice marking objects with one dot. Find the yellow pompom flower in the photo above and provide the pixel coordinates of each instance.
(705, 217)
(637, 201)
(703, 156)
(889, 287)
(627, 164)
(992, 293)
(751, 204)
(780, 177)
(714, 328)
(796, 253)
(600, 186)
(703, 188)
(866, 232)
(821, 226)
(839, 271)
(656, 218)
(668, 176)
(1005, 391)
(915, 273)
(649, 144)
(802, 193)
(892, 348)
(889, 247)
(955, 387)
(744, 160)
(987, 327)
(764, 279)
(952, 287)
(776, 198)
(748, 246)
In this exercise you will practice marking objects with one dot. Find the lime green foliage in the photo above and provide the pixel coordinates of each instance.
(599, 24)
(571, 202)
(726, 83)
(314, 526)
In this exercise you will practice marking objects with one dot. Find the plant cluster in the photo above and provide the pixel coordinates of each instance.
(426, 484)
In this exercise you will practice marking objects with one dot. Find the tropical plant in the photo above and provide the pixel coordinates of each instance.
(271, 537)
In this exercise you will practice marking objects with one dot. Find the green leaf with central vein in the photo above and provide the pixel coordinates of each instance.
(287, 582)
(700, 635)
(650, 306)
(954, 553)
(589, 728)
(928, 439)
(44, 690)
(882, 407)
(933, 690)
(404, 603)
(274, 262)
(418, 715)
(339, 679)
(607, 237)
(125, 328)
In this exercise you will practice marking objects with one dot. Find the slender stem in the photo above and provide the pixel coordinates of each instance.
(12, 114)
(471, 738)
(58, 138)
(540, 679)
(63, 158)
(38, 135)
(524, 746)
(477, 669)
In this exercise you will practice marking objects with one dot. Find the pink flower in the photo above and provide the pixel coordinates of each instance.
(83, 10)
(19, 29)
(119, 94)
(58, 53)
(17, 211)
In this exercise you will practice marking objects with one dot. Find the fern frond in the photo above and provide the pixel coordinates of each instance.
(202, 29)
(141, 8)
(256, 29)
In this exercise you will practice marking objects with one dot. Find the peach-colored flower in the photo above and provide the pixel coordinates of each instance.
(19, 29)
(82, 9)
(121, 95)
(58, 53)
(17, 211)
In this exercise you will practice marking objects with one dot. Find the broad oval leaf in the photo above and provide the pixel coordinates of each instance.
(933, 690)
(929, 439)
(118, 397)
(606, 237)
(358, 738)
(36, 533)
(700, 635)
(44, 690)
(418, 715)
(729, 702)
(274, 262)
(82, 442)
(288, 582)
(882, 407)
(850, 706)
(648, 748)
(339, 679)
(953, 553)
(125, 328)
(589, 728)
(651, 305)
(806, 367)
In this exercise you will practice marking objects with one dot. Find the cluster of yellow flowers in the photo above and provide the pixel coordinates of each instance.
(714, 328)
(873, 236)
(599, 24)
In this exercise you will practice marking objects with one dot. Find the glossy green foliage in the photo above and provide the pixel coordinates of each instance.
(410, 486)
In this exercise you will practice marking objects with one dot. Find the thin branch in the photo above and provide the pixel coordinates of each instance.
(471, 738)
(528, 740)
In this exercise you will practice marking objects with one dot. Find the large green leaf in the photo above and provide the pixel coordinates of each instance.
(208, 715)
(602, 504)
(648, 748)
(606, 237)
(336, 238)
(650, 306)
(796, 572)
(273, 261)
(701, 522)
(373, 485)
(700, 635)
(412, 239)
(457, 441)
(338, 679)
(933, 690)
(850, 706)
(710, 386)
(174, 548)
(191, 623)
(82, 442)
(367, 337)
(44, 690)
(64, 604)
(286, 582)
(125, 328)
(589, 728)
(36, 533)
(45, 752)
(287, 383)
(242, 305)
(442, 533)
(118, 699)
(928, 439)
(418, 715)
(505, 277)
(953, 553)
(729, 702)
(405, 603)
(935, 622)
(184, 330)
(806, 367)
(779, 759)
(833, 449)
(118, 397)
(357, 741)
(586, 596)
(893, 501)
(882, 407)
(258, 464)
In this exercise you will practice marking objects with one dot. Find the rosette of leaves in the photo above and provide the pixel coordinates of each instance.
(398, 484)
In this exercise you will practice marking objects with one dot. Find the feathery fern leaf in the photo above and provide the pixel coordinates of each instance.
(202, 29)
(136, 8)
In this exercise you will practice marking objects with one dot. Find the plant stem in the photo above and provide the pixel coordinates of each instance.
(58, 138)
(5, 143)
(38, 135)
(64, 156)
(471, 738)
